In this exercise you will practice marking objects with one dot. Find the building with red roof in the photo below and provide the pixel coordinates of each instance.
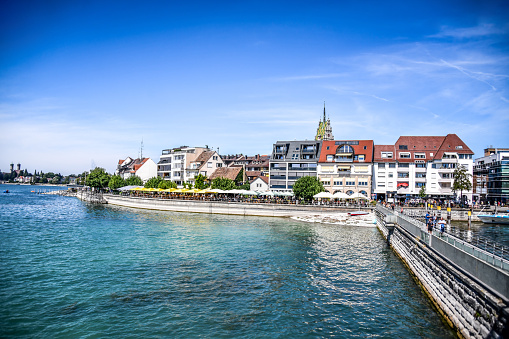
(413, 162)
(346, 166)
(145, 168)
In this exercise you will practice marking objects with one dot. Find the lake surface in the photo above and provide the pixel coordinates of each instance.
(71, 269)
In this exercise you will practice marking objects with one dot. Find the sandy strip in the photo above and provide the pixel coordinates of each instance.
(340, 219)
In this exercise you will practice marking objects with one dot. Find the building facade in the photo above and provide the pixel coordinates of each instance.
(346, 166)
(401, 170)
(144, 168)
(174, 164)
(291, 160)
(205, 164)
(491, 176)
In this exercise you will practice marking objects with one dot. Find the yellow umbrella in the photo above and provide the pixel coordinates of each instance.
(205, 191)
(179, 190)
(137, 189)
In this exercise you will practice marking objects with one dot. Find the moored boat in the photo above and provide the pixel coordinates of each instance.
(357, 213)
(495, 218)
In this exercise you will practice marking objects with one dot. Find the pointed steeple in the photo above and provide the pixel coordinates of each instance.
(324, 130)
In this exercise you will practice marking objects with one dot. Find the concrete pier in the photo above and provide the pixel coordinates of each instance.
(469, 288)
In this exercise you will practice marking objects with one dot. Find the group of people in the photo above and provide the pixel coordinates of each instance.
(433, 222)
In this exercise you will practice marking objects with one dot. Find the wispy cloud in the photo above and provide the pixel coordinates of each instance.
(307, 77)
(481, 30)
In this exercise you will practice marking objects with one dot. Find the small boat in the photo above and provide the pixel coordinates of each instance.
(495, 218)
(357, 213)
(6, 191)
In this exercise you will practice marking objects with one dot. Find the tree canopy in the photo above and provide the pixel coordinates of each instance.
(153, 182)
(116, 182)
(134, 181)
(422, 192)
(306, 187)
(98, 178)
(199, 182)
(165, 184)
(224, 184)
(462, 181)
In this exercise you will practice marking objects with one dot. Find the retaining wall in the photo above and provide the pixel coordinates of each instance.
(476, 307)
(218, 207)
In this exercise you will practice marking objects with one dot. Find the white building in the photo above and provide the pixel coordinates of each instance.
(260, 184)
(205, 164)
(401, 170)
(145, 168)
(175, 164)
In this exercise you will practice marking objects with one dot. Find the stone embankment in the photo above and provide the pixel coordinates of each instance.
(219, 207)
(470, 293)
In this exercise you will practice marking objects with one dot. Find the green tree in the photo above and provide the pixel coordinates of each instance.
(224, 184)
(116, 182)
(462, 181)
(165, 184)
(153, 182)
(98, 178)
(134, 181)
(240, 177)
(199, 182)
(245, 186)
(422, 192)
(306, 187)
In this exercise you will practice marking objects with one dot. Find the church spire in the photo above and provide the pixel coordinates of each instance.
(324, 130)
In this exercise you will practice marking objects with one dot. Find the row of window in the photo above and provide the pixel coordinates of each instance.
(347, 183)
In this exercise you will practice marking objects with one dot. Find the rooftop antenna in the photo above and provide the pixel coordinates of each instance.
(141, 149)
(324, 112)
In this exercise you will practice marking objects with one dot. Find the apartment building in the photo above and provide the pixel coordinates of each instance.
(174, 164)
(346, 166)
(491, 176)
(400, 170)
(291, 160)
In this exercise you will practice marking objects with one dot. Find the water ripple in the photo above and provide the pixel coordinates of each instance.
(70, 269)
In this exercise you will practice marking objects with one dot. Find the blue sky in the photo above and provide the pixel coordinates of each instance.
(82, 83)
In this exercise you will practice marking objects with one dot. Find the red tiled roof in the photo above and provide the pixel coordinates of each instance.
(226, 172)
(358, 149)
(432, 147)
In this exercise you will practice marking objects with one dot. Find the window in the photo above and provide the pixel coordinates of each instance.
(390, 175)
(350, 183)
(219, 165)
(420, 175)
(403, 165)
(337, 183)
(209, 165)
(330, 157)
(420, 156)
(404, 155)
(403, 146)
(365, 147)
(345, 149)
(403, 175)
(214, 157)
(420, 184)
(459, 147)
(381, 165)
(387, 155)
(392, 165)
(363, 183)
(326, 183)
(420, 165)
(327, 148)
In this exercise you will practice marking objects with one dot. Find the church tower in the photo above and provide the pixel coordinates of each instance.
(324, 131)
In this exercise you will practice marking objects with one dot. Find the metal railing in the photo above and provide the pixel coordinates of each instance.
(480, 247)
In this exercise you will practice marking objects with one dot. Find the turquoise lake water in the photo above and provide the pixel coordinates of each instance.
(75, 270)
